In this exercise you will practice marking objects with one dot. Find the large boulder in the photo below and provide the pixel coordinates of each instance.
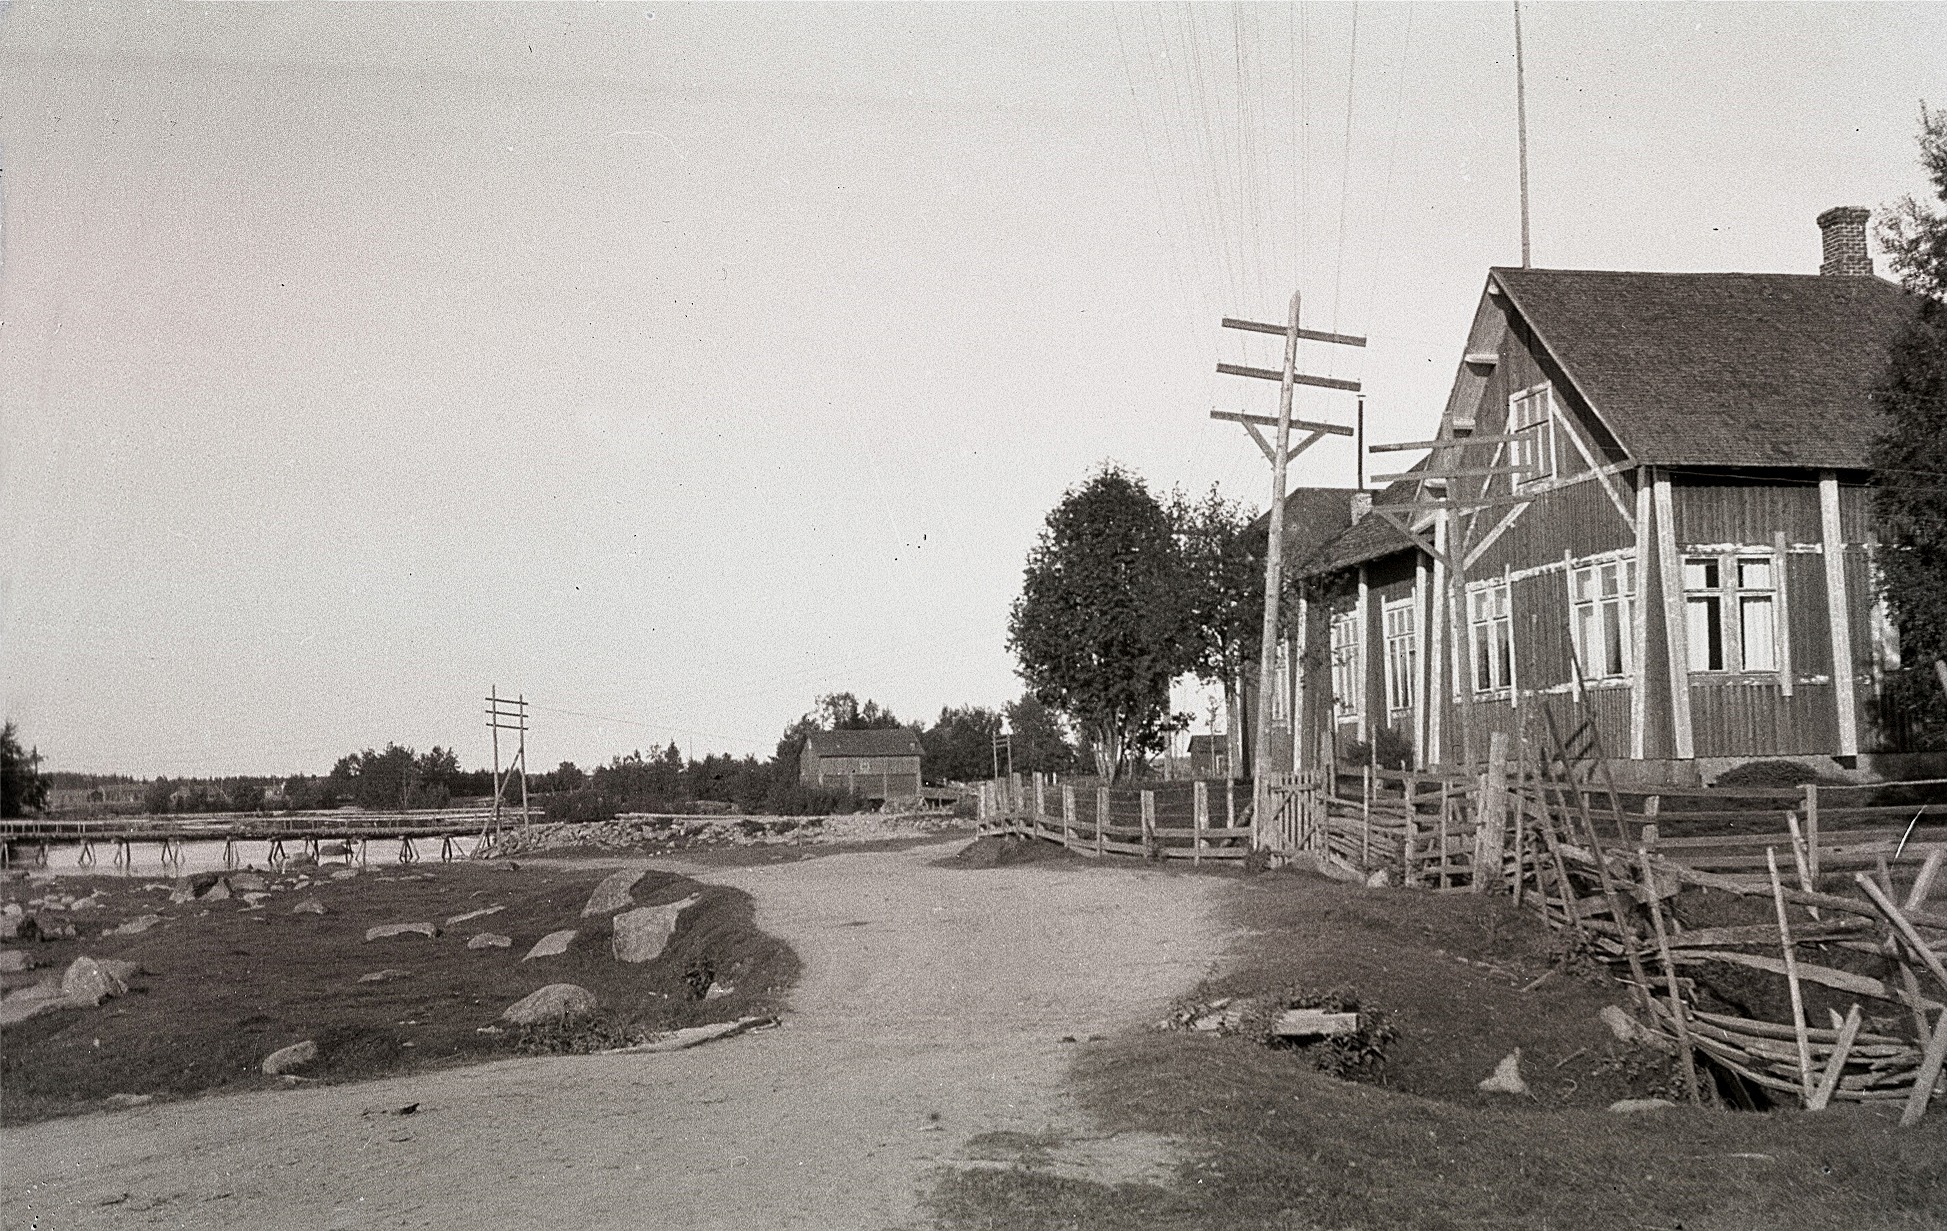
(642, 933)
(284, 1059)
(552, 945)
(384, 930)
(614, 892)
(554, 1000)
(248, 882)
(88, 982)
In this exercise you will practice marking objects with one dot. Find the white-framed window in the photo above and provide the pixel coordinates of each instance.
(1490, 625)
(1402, 654)
(1531, 419)
(1730, 606)
(1346, 702)
(1604, 597)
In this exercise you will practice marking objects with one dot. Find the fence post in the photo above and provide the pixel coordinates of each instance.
(1101, 815)
(1199, 820)
(1200, 808)
(1446, 807)
(1490, 820)
(1067, 815)
(1365, 815)
(1410, 856)
(1149, 818)
(1812, 828)
(1040, 796)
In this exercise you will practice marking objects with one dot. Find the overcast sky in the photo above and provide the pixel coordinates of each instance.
(673, 365)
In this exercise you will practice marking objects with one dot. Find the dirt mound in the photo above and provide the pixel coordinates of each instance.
(1002, 852)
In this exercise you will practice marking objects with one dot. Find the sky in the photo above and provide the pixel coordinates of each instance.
(672, 365)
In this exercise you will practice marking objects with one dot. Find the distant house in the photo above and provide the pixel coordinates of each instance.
(1654, 488)
(1209, 756)
(875, 765)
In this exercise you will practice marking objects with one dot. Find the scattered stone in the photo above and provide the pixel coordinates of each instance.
(384, 930)
(490, 940)
(551, 945)
(219, 893)
(344, 874)
(19, 927)
(613, 893)
(12, 908)
(678, 1040)
(475, 914)
(385, 976)
(309, 906)
(123, 970)
(554, 1000)
(32, 1001)
(85, 904)
(1382, 879)
(1620, 1023)
(255, 899)
(1506, 1078)
(1630, 1106)
(641, 934)
(118, 1102)
(248, 882)
(88, 983)
(13, 961)
(718, 991)
(135, 926)
(296, 1056)
(181, 895)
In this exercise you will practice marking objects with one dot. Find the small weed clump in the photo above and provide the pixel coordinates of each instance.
(579, 1034)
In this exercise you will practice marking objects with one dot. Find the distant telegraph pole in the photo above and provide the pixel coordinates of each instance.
(1279, 455)
(508, 714)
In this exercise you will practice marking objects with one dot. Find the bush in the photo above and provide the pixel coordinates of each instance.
(1358, 1056)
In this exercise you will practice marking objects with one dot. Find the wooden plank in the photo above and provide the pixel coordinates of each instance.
(1413, 446)
(1791, 976)
(1639, 629)
(1825, 976)
(1838, 614)
(1829, 1082)
(1303, 425)
(1314, 1023)
(1676, 638)
(1309, 335)
(1297, 378)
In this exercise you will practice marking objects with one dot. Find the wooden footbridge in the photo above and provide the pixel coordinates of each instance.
(290, 836)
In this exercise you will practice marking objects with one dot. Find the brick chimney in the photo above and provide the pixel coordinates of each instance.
(1843, 228)
(1361, 505)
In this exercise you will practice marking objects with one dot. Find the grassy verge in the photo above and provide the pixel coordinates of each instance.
(222, 985)
(1271, 1142)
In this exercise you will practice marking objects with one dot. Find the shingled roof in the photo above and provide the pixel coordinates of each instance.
(883, 742)
(1720, 369)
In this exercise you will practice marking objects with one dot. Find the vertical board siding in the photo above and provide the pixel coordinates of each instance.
(1723, 511)
(1579, 519)
(1743, 718)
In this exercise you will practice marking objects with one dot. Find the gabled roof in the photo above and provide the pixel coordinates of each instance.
(1720, 369)
(1369, 538)
(1312, 517)
(886, 742)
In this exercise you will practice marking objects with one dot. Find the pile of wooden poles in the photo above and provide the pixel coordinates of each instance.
(1613, 898)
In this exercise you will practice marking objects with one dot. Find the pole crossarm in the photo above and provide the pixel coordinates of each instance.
(1303, 425)
(1404, 524)
(1430, 475)
(1296, 378)
(1413, 446)
(1309, 335)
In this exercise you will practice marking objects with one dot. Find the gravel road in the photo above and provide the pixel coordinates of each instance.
(931, 1010)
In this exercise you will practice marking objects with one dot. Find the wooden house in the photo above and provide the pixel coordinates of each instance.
(876, 765)
(1648, 504)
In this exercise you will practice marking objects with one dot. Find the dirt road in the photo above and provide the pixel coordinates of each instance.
(931, 1011)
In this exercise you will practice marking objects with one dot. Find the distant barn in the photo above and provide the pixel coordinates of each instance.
(875, 765)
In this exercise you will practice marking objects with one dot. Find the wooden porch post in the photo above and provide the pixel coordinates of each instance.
(1838, 614)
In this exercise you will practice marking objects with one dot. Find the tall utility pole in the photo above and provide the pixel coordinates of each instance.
(508, 714)
(1279, 456)
(1521, 127)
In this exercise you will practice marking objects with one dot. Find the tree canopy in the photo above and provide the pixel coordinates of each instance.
(1908, 504)
(23, 788)
(1107, 617)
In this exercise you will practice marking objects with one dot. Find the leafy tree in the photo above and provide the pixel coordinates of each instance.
(1039, 738)
(23, 788)
(1223, 549)
(1106, 617)
(158, 797)
(1912, 396)
(960, 746)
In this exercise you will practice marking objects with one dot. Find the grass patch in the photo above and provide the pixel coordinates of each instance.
(1274, 1143)
(222, 985)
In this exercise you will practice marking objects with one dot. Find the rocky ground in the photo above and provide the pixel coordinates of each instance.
(662, 834)
(122, 991)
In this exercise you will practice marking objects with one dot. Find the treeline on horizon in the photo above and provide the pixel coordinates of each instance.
(958, 747)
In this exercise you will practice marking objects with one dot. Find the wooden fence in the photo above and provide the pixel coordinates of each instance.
(1598, 863)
